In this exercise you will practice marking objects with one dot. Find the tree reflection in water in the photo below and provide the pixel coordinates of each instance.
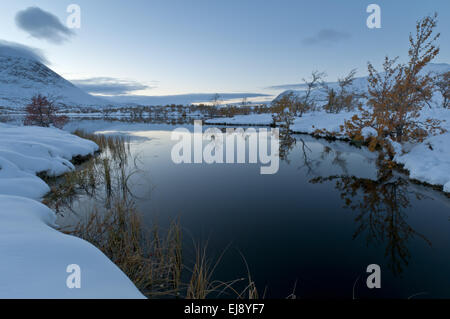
(287, 144)
(381, 204)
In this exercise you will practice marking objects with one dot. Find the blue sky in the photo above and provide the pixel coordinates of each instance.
(201, 46)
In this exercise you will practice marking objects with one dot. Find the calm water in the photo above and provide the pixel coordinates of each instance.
(320, 221)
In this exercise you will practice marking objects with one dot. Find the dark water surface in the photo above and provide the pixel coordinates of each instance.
(320, 221)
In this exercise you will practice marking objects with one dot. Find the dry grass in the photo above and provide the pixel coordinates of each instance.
(152, 258)
(201, 284)
(113, 224)
(117, 147)
(103, 176)
(153, 263)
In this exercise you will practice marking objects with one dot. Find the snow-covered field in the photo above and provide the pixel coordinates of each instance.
(427, 162)
(33, 255)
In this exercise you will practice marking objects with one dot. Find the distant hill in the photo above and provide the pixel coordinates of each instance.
(360, 84)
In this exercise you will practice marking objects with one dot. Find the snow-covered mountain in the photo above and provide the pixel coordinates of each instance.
(360, 84)
(21, 78)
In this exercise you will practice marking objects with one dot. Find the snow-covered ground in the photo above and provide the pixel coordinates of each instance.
(33, 255)
(427, 162)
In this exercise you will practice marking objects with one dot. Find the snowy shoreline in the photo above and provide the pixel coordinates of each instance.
(34, 255)
(427, 162)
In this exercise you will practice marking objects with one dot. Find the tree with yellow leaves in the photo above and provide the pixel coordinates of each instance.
(398, 94)
(283, 111)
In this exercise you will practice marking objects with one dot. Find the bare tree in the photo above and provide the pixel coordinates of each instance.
(216, 100)
(443, 87)
(244, 101)
(307, 101)
(342, 98)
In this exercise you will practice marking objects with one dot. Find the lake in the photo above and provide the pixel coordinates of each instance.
(327, 214)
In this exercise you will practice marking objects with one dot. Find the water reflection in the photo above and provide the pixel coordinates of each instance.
(381, 204)
(287, 144)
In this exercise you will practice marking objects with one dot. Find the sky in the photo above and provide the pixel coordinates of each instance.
(205, 46)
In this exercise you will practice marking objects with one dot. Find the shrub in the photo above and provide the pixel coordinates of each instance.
(343, 98)
(284, 110)
(443, 87)
(42, 111)
(307, 101)
(398, 94)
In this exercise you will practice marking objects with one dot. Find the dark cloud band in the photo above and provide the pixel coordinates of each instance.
(109, 86)
(326, 36)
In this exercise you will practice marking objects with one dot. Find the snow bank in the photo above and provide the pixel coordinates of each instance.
(25, 151)
(367, 132)
(429, 161)
(33, 255)
(447, 187)
(310, 122)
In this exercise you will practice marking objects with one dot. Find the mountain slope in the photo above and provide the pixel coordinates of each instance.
(21, 78)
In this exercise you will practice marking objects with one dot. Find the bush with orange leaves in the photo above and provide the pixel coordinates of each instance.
(283, 111)
(398, 94)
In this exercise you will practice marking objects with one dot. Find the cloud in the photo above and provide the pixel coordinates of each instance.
(109, 86)
(287, 86)
(326, 37)
(41, 24)
(19, 50)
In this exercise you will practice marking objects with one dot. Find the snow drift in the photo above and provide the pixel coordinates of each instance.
(33, 255)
